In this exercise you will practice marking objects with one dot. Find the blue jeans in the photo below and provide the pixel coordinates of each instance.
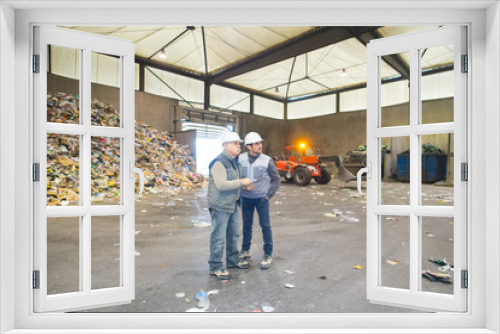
(225, 230)
(248, 207)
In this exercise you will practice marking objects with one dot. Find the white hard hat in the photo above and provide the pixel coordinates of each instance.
(231, 136)
(252, 137)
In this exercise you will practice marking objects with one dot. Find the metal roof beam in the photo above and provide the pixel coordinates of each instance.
(169, 68)
(395, 61)
(309, 41)
(250, 91)
(444, 68)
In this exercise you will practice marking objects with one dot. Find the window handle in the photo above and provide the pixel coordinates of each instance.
(366, 170)
(139, 171)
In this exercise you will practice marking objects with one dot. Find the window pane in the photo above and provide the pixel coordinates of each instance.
(438, 86)
(105, 171)
(63, 170)
(399, 114)
(395, 251)
(437, 254)
(63, 85)
(106, 94)
(437, 170)
(63, 255)
(395, 170)
(106, 247)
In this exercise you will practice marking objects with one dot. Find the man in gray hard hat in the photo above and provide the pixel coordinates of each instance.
(225, 181)
(261, 169)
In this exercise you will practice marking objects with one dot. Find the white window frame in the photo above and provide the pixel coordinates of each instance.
(483, 246)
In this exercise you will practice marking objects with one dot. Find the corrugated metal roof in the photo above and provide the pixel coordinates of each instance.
(209, 50)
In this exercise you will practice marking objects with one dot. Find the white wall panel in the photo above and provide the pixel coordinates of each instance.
(268, 108)
(353, 100)
(173, 86)
(437, 86)
(395, 93)
(313, 107)
(227, 98)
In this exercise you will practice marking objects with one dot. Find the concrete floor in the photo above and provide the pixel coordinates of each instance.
(172, 253)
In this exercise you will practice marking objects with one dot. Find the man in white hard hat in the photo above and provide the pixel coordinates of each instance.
(225, 181)
(261, 169)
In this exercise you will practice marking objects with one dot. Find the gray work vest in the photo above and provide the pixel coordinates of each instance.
(224, 200)
(258, 173)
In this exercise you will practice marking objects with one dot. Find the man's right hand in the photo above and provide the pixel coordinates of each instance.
(246, 181)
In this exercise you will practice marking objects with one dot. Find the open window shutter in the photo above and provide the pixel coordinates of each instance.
(400, 272)
(70, 131)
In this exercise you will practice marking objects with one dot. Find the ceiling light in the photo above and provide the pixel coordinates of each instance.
(343, 73)
(276, 90)
(162, 54)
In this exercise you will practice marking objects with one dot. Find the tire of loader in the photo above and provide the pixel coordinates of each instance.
(302, 176)
(326, 176)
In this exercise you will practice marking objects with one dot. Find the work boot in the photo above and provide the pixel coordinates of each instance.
(266, 262)
(244, 255)
(241, 265)
(221, 274)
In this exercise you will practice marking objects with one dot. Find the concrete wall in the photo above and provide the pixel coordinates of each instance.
(271, 130)
(151, 109)
(342, 132)
(186, 138)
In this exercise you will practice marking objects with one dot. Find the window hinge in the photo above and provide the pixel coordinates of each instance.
(36, 172)
(36, 279)
(464, 171)
(465, 64)
(36, 63)
(465, 279)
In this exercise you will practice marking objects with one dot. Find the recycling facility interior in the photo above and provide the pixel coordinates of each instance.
(320, 252)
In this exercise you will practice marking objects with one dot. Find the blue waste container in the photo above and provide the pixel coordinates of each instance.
(434, 167)
(403, 167)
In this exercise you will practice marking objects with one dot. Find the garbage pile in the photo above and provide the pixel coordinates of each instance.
(168, 166)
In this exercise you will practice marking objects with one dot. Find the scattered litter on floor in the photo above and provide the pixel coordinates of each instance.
(267, 308)
(436, 277)
(392, 218)
(329, 214)
(164, 265)
(137, 232)
(180, 295)
(144, 211)
(117, 244)
(137, 253)
(203, 301)
(243, 282)
(446, 268)
(288, 285)
(277, 202)
(187, 300)
(451, 223)
(322, 277)
(392, 262)
(256, 310)
(289, 272)
(430, 235)
(352, 220)
(201, 224)
(213, 292)
(358, 267)
(450, 239)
